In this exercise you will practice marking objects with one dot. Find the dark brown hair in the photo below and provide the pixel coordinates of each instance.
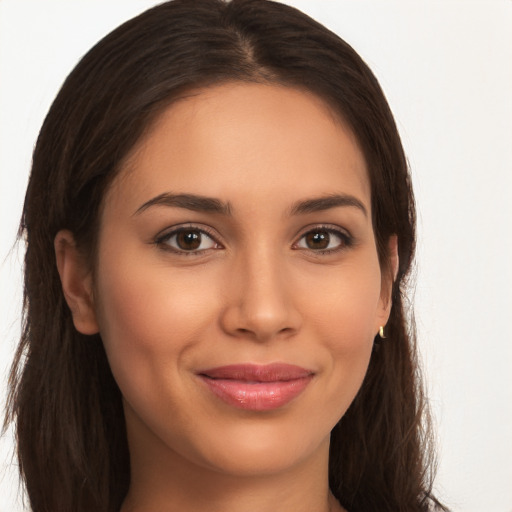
(71, 437)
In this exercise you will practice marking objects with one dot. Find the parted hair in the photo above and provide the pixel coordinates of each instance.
(66, 406)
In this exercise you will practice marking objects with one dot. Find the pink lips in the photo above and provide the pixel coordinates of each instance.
(257, 387)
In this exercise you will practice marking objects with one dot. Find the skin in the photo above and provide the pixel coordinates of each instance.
(256, 290)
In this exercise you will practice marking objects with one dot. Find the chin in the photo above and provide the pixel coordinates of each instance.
(259, 449)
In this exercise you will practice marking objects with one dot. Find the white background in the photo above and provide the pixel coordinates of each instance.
(446, 67)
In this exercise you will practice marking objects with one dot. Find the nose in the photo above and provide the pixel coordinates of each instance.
(260, 300)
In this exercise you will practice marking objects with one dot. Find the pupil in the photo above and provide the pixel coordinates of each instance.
(318, 240)
(188, 240)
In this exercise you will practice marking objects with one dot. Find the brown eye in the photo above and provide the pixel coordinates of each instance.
(317, 239)
(323, 240)
(188, 240)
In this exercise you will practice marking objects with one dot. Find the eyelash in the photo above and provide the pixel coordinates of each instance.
(346, 240)
(162, 240)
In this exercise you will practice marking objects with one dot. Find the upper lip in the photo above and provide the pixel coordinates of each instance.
(273, 372)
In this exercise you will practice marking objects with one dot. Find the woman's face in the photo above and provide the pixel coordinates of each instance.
(238, 289)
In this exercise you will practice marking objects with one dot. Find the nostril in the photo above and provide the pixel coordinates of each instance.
(260, 316)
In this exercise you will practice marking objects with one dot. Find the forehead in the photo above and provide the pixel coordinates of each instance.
(245, 141)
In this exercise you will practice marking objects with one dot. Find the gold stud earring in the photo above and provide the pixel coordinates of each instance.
(381, 332)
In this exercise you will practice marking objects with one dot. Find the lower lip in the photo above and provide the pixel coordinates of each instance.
(257, 396)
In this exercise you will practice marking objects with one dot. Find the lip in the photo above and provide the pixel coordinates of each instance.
(257, 387)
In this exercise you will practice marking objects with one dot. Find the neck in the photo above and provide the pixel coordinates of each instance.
(196, 492)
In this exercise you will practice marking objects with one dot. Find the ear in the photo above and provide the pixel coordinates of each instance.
(76, 279)
(393, 256)
(388, 278)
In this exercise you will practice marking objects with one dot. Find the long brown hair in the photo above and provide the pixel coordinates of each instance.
(71, 437)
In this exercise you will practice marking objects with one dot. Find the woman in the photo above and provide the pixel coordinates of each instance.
(219, 226)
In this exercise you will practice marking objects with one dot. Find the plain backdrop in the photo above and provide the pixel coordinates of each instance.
(446, 68)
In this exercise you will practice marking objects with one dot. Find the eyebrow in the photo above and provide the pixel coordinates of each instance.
(188, 202)
(213, 205)
(318, 204)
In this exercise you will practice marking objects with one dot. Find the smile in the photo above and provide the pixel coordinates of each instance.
(257, 387)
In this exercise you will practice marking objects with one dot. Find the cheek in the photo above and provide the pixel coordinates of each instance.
(148, 317)
(344, 318)
(347, 305)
